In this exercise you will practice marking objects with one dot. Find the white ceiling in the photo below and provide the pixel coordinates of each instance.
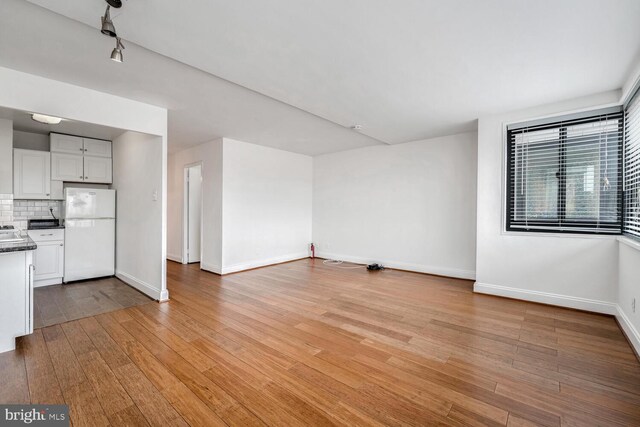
(201, 107)
(405, 70)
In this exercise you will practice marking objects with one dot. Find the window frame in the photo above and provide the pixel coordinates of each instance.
(633, 97)
(556, 226)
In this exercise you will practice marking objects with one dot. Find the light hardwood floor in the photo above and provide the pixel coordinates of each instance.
(307, 344)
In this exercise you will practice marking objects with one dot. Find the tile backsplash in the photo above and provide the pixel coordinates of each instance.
(17, 212)
(6, 209)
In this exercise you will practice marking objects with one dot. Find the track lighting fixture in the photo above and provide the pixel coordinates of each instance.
(107, 24)
(116, 54)
(109, 29)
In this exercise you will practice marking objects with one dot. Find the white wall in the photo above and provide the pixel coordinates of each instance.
(30, 141)
(408, 206)
(6, 156)
(27, 92)
(628, 289)
(210, 154)
(573, 271)
(137, 178)
(256, 205)
(266, 205)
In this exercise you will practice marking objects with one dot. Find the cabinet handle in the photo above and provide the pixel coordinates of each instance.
(86, 177)
(81, 149)
(80, 177)
(46, 235)
(61, 244)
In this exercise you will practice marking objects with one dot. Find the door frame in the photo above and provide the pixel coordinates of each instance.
(185, 210)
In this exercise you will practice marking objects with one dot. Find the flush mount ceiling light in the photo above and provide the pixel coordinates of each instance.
(107, 24)
(47, 120)
(116, 54)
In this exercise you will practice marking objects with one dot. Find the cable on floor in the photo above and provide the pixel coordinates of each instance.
(337, 263)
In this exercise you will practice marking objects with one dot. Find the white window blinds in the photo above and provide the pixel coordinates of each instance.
(566, 175)
(631, 220)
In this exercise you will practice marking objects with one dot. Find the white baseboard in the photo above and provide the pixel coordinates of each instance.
(143, 286)
(211, 268)
(632, 333)
(47, 282)
(418, 268)
(596, 306)
(174, 257)
(262, 263)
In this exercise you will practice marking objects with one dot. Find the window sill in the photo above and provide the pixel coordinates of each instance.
(632, 243)
(561, 235)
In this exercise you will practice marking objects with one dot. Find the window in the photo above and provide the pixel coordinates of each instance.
(566, 175)
(632, 168)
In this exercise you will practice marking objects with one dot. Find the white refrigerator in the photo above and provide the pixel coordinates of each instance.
(90, 233)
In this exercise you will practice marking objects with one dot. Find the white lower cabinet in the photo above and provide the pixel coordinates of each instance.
(16, 304)
(48, 257)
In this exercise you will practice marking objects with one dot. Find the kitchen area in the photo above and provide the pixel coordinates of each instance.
(58, 224)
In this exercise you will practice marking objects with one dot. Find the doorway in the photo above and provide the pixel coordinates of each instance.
(192, 214)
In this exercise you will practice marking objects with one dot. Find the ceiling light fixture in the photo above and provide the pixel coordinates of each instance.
(108, 28)
(356, 127)
(116, 54)
(47, 120)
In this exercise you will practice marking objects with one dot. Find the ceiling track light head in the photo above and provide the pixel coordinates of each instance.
(108, 29)
(116, 54)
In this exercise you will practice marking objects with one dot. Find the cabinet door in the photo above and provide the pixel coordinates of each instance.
(97, 148)
(97, 170)
(31, 174)
(66, 144)
(14, 304)
(49, 260)
(67, 167)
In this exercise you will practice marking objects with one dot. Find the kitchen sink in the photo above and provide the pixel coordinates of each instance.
(11, 236)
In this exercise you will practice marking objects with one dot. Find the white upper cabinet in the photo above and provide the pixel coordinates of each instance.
(66, 144)
(31, 174)
(67, 167)
(97, 170)
(77, 159)
(97, 148)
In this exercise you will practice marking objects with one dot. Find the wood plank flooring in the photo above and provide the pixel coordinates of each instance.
(61, 303)
(304, 343)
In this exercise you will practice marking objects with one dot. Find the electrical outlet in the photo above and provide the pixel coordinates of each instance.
(633, 305)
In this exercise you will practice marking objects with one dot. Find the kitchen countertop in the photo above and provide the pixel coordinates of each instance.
(26, 245)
